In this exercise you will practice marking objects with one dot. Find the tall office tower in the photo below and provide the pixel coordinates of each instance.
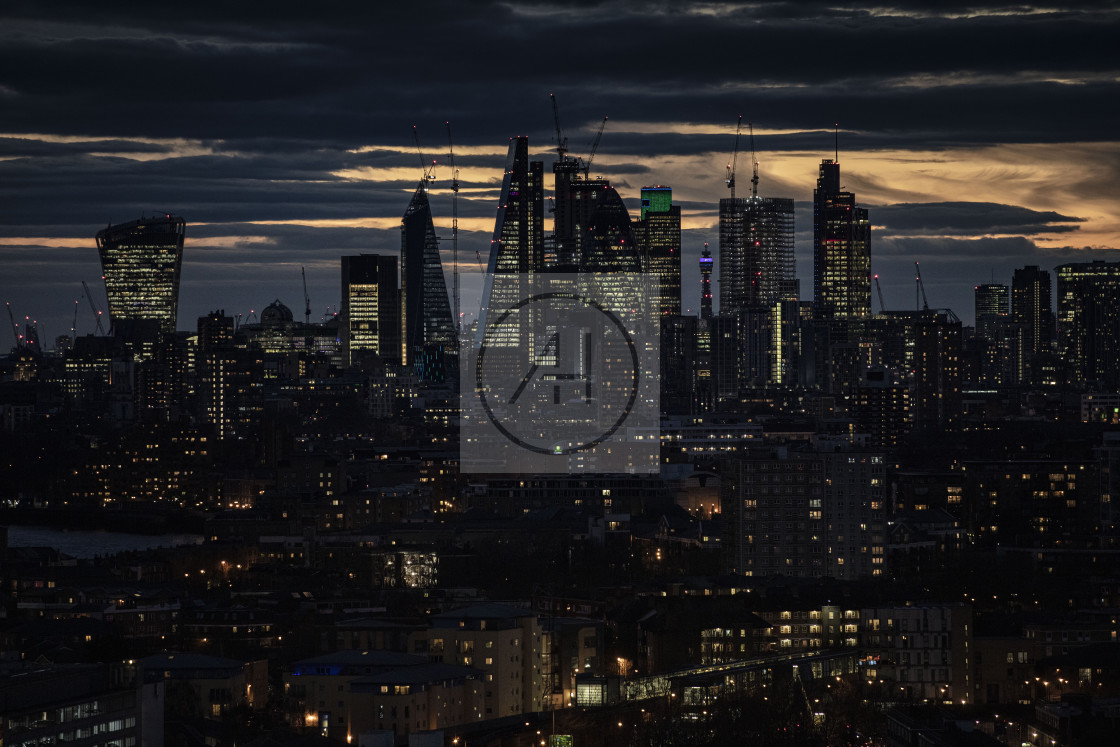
(141, 262)
(1031, 306)
(732, 288)
(567, 212)
(755, 338)
(768, 238)
(371, 308)
(215, 359)
(841, 250)
(519, 228)
(991, 309)
(516, 249)
(679, 337)
(1089, 321)
(936, 399)
(658, 233)
(706, 262)
(785, 345)
(426, 322)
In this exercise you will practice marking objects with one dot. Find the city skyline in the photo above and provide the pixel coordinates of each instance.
(276, 163)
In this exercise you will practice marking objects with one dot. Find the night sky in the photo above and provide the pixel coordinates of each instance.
(981, 137)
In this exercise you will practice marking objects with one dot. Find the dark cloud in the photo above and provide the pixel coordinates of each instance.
(256, 109)
(969, 218)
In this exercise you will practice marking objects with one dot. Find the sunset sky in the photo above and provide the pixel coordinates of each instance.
(981, 137)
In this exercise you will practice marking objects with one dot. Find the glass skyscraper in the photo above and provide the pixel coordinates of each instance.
(426, 322)
(841, 250)
(141, 262)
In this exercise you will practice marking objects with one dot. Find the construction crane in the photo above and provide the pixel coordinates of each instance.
(93, 307)
(561, 141)
(730, 178)
(15, 327)
(306, 298)
(428, 169)
(754, 158)
(920, 286)
(594, 148)
(879, 289)
(454, 230)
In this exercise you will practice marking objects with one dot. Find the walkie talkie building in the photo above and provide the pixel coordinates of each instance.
(140, 262)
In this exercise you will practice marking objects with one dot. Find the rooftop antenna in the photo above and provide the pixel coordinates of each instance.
(836, 138)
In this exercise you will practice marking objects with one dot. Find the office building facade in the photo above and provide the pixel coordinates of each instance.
(1089, 321)
(141, 263)
(658, 232)
(841, 250)
(371, 308)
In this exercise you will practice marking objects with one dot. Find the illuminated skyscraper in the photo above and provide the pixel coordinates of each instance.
(658, 233)
(517, 249)
(141, 261)
(706, 284)
(1031, 306)
(841, 250)
(426, 322)
(519, 229)
(756, 264)
(991, 309)
(371, 308)
(1089, 321)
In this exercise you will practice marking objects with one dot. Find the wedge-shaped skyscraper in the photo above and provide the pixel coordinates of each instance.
(426, 322)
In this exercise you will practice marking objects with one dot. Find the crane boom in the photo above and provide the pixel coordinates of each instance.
(921, 286)
(879, 288)
(561, 141)
(730, 178)
(427, 168)
(15, 327)
(306, 298)
(454, 230)
(594, 148)
(93, 307)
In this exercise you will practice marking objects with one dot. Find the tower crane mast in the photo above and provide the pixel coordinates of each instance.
(561, 141)
(754, 159)
(428, 168)
(455, 230)
(594, 148)
(306, 298)
(93, 307)
(730, 178)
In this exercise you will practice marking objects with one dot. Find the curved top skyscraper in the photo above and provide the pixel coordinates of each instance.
(141, 262)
